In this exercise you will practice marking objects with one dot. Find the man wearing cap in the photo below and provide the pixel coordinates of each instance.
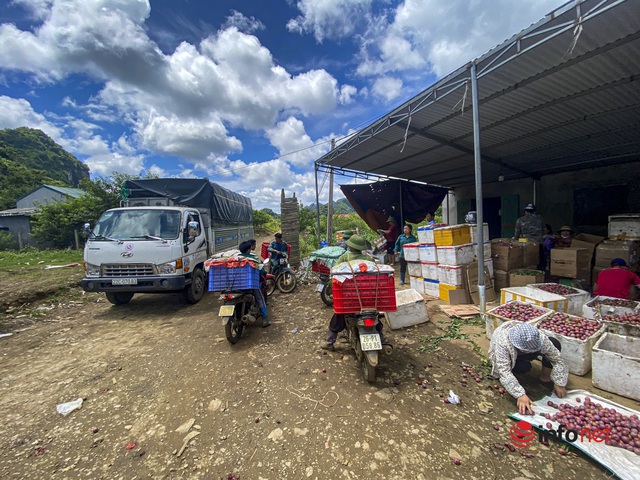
(278, 249)
(355, 245)
(616, 281)
(514, 345)
(346, 235)
(563, 240)
(391, 234)
(532, 227)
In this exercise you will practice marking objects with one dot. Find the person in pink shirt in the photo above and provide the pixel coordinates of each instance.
(616, 281)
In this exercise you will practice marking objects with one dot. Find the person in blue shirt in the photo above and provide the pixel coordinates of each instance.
(430, 218)
(405, 237)
(278, 249)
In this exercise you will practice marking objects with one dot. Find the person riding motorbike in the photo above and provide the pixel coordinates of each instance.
(355, 246)
(278, 249)
(245, 251)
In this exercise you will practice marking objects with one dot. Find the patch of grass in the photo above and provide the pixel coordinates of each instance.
(34, 259)
(432, 343)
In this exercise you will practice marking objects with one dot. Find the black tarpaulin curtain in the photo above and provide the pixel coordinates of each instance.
(375, 202)
(226, 207)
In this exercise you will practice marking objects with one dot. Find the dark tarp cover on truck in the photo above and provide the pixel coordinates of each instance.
(226, 206)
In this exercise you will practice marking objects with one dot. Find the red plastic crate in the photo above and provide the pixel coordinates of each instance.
(316, 266)
(376, 292)
(264, 252)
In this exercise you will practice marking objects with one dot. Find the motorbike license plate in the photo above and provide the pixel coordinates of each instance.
(124, 281)
(370, 341)
(226, 310)
(320, 287)
(283, 261)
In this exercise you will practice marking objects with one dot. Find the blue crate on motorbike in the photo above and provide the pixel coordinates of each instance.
(222, 278)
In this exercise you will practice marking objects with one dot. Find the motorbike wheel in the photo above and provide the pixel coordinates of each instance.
(195, 290)
(286, 282)
(327, 294)
(368, 370)
(119, 298)
(269, 286)
(234, 327)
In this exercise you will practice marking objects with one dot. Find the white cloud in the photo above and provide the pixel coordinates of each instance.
(387, 88)
(293, 143)
(243, 23)
(106, 164)
(347, 92)
(18, 112)
(329, 19)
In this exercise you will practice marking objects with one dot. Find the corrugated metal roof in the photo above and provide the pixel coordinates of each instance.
(70, 192)
(561, 95)
(17, 212)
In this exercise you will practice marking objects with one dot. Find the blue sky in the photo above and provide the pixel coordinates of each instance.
(247, 93)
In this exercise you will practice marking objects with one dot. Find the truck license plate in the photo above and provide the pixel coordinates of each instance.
(124, 281)
(319, 287)
(370, 342)
(226, 310)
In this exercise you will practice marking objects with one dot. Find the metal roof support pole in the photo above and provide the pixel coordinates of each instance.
(479, 209)
(317, 207)
(400, 225)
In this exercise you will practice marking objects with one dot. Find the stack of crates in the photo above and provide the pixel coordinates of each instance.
(364, 291)
(454, 249)
(486, 249)
(428, 276)
(412, 256)
(227, 275)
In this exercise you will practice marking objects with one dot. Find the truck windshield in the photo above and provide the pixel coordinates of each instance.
(138, 224)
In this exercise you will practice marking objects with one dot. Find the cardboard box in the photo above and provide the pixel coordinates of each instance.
(470, 274)
(571, 263)
(522, 278)
(530, 254)
(585, 240)
(458, 297)
(500, 279)
(445, 292)
(610, 249)
(506, 254)
(624, 226)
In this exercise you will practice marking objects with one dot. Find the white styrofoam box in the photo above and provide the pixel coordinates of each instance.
(576, 300)
(474, 234)
(417, 283)
(429, 270)
(616, 365)
(450, 274)
(431, 287)
(486, 250)
(535, 296)
(411, 309)
(379, 258)
(493, 320)
(425, 234)
(489, 264)
(411, 253)
(414, 269)
(625, 226)
(590, 310)
(576, 353)
(456, 254)
(428, 252)
(618, 327)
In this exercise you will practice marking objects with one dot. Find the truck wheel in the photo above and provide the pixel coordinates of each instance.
(194, 292)
(119, 298)
(327, 294)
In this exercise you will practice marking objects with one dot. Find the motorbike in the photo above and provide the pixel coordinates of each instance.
(285, 279)
(364, 337)
(239, 309)
(325, 289)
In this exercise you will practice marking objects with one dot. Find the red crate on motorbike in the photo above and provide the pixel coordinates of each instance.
(316, 266)
(264, 252)
(230, 275)
(374, 291)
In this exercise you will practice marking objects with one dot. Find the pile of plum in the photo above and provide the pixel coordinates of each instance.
(570, 326)
(614, 302)
(518, 311)
(623, 429)
(630, 318)
(557, 289)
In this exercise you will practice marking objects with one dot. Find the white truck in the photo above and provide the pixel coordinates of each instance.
(158, 241)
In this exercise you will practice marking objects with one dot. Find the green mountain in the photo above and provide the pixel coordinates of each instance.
(339, 206)
(29, 158)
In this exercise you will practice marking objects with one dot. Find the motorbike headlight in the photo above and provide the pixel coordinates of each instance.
(167, 268)
(92, 270)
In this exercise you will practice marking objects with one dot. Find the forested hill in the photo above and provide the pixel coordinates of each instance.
(28, 158)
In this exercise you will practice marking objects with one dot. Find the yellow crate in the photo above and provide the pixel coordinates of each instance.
(444, 289)
(535, 296)
(453, 235)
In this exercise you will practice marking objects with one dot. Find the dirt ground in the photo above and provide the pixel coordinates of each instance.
(167, 397)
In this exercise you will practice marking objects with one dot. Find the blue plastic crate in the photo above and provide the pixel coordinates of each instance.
(222, 278)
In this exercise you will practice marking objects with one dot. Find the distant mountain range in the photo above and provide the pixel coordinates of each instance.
(339, 206)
